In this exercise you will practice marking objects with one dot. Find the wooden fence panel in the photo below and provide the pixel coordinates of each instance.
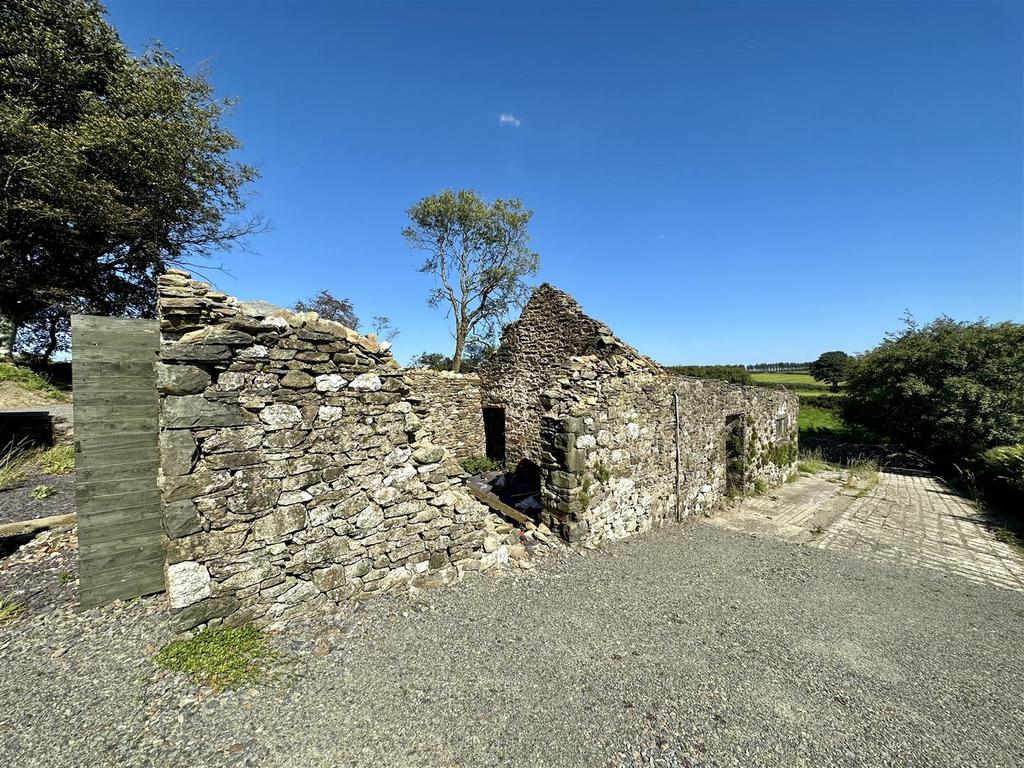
(116, 453)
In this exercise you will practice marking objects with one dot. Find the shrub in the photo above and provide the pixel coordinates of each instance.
(601, 472)
(477, 465)
(1001, 470)
(950, 389)
(782, 454)
(218, 658)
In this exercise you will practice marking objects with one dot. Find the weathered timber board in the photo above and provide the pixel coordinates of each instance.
(116, 452)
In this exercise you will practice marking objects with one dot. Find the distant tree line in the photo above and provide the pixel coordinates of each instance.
(778, 367)
(737, 374)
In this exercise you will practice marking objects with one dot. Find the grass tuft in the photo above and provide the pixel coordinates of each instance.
(478, 465)
(10, 610)
(41, 492)
(813, 462)
(862, 475)
(218, 658)
(14, 465)
(59, 460)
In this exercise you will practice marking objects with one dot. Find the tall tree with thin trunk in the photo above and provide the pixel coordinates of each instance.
(479, 256)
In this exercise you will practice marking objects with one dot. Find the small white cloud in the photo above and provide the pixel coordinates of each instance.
(507, 118)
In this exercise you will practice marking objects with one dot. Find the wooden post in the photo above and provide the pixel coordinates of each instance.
(675, 405)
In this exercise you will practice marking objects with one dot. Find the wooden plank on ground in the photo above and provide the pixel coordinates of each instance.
(117, 457)
(497, 504)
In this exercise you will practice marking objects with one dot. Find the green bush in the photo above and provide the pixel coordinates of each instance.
(950, 389)
(477, 465)
(1003, 466)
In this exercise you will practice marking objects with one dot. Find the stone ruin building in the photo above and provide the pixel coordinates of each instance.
(621, 444)
(301, 467)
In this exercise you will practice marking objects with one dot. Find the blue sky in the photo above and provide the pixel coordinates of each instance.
(721, 182)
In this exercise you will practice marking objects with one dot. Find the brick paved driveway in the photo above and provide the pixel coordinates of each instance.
(907, 519)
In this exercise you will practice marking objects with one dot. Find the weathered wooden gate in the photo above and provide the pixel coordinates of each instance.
(117, 455)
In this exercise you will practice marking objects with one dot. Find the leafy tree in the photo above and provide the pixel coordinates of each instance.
(831, 367)
(329, 307)
(436, 361)
(478, 254)
(476, 354)
(952, 389)
(113, 166)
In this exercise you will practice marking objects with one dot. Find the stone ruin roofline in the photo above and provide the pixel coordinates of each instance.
(262, 310)
(610, 344)
(606, 342)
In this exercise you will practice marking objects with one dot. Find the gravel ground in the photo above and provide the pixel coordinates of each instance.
(17, 504)
(40, 571)
(691, 646)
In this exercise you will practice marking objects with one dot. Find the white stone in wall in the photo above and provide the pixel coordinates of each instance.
(276, 321)
(330, 382)
(230, 381)
(633, 430)
(370, 517)
(330, 413)
(301, 592)
(255, 352)
(187, 583)
(294, 497)
(280, 416)
(367, 382)
(586, 441)
(400, 476)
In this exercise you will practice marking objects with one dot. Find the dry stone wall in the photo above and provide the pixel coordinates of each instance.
(297, 466)
(610, 461)
(453, 416)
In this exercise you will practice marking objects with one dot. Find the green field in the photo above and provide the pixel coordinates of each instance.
(801, 383)
(817, 419)
(814, 419)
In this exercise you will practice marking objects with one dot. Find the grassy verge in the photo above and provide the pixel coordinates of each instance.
(814, 419)
(17, 463)
(27, 379)
(218, 658)
(812, 462)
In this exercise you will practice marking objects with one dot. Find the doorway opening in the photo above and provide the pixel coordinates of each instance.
(494, 434)
(735, 457)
